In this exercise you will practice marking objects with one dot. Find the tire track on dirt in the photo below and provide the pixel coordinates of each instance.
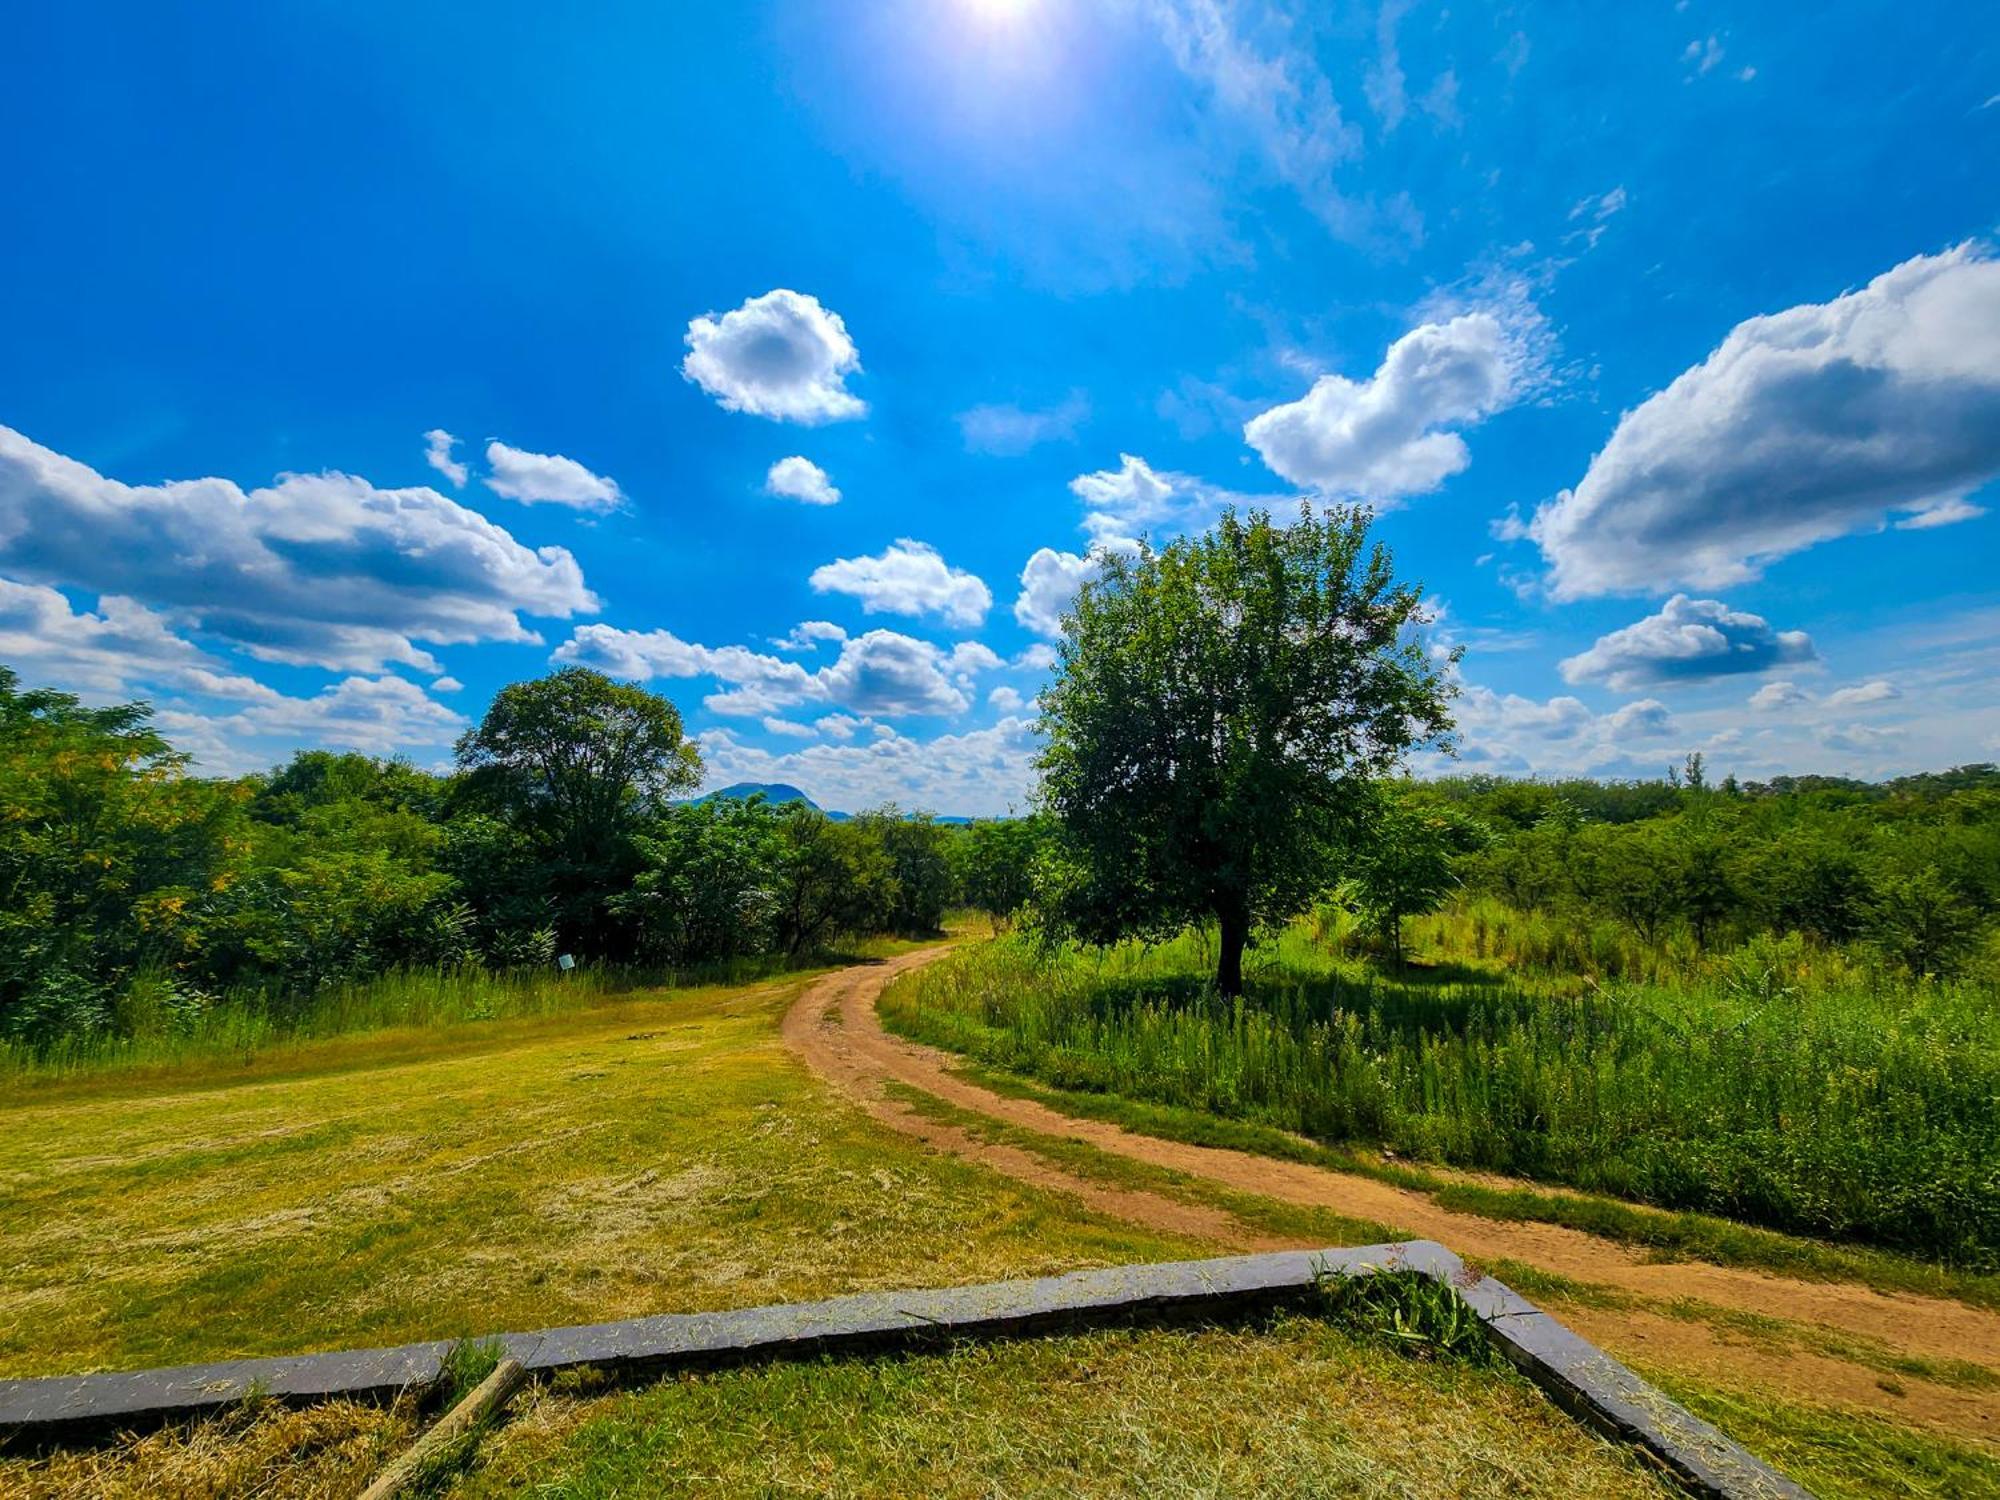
(834, 1029)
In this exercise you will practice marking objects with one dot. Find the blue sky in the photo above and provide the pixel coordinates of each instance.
(794, 357)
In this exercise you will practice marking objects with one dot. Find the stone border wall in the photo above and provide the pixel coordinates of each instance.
(1580, 1377)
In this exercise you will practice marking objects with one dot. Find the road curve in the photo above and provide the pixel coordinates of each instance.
(833, 1028)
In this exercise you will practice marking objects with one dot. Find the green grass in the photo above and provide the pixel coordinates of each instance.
(1286, 1405)
(1838, 1113)
(656, 1152)
(1839, 1454)
(1669, 1235)
(251, 1023)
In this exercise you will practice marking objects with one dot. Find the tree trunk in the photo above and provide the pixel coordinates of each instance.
(1229, 961)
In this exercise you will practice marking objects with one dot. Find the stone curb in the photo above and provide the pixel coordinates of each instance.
(1580, 1377)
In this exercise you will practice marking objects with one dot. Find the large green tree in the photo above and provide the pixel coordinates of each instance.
(1220, 710)
(579, 762)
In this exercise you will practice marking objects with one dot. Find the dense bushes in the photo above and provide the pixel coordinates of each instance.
(1759, 1089)
(137, 899)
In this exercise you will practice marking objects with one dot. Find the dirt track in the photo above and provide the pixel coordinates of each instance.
(834, 1029)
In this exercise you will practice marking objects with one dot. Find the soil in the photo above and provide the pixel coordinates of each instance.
(833, 1027)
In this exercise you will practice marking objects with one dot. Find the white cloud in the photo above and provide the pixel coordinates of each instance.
(1642, 720)
(781, 356)
(447, 685)
(111, 653)
(1861, 739)
(1037, 658)
(1689, 640)
(801, 479)
(1863, 694)
(548, 478)
(909, 578)
(807, 635)
(1803, 426)
(1008, 430)
(1048, 586)
(1384, 438)
(321, 569)
(1135, 498)
(1703, 56)
(983, 772)
(880, 672)
(1773, 696)
(437, 453)
(1008, 700)
(1509, 733)
(378, 715)
(787, 728)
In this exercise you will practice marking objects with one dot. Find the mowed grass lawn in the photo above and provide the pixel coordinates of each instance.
(656, 1153)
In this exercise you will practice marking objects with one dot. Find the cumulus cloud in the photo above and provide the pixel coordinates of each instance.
(781, 355)
(1048, 586)
(320, 569)
(1773, 696)
(109, 653)
(1863, 694)
(1007, 430)
(1689, 640)
(1133, 499)
(1510, 733)
(787, 728)
(807, 635)
(1385, 437)
(447, 685)
(908, 578)
(437, 453)
(548, 478)
(1642, 720)
(983, 772)
(1805, 425)
(877, 673)
(801, 479)
(1008, 700)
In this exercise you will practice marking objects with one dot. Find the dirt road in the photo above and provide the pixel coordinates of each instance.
(834, 1029)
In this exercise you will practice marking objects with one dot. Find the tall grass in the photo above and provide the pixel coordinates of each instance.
(1772, 1087)
(250, 1021)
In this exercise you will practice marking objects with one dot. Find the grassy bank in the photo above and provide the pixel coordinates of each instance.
(1856, 1113)
(649, 1152)
(245, 1024)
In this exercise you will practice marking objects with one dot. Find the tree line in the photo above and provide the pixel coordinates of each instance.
(1224, 736)
(135, 894)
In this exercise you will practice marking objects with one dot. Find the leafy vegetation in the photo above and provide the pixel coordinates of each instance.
(1220, 713)
(148, 912)
(1842, 1112)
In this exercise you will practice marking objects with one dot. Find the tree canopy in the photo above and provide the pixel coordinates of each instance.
(1220, 709)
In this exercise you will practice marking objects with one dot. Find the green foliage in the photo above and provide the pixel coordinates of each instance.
(145, 910)
(1412, 1313)
(995, 864)
(577, 762)
(1219, 712)
(1407, 864)
(1823, 1102)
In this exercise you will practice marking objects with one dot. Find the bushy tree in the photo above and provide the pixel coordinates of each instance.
(708, 886)
(1407, 863)
(1220, 709)
(111, 858)
(995, 861)
(578, 762)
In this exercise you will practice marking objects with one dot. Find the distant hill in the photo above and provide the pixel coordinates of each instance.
(776, 792)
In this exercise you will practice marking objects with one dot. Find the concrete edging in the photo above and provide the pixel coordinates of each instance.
(1581, 1378)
